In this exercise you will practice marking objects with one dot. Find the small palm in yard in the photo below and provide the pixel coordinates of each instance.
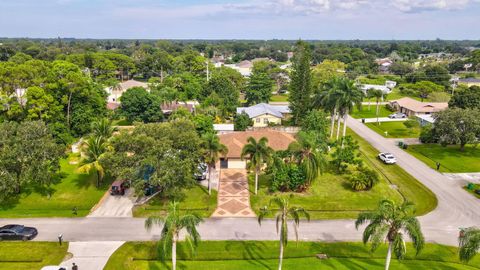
(259, 154)
(308, 155)
(284, 212)
(388, 223)
(378, 95)
(94, 148)
(348, 94)
(212, 149)
(173, 224)
(103, 128)
(469, 242)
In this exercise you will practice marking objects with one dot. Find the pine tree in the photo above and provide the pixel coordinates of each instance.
(300, 88)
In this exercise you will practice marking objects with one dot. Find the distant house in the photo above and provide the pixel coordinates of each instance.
(264, 114)
(412, 107)
(114, 93)
(169, 108)
(384, 64)
(223, 128)
(386, 88)
(235, 141)
(469, 82)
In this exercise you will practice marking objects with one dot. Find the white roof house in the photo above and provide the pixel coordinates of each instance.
(386, 88)
(264, 108)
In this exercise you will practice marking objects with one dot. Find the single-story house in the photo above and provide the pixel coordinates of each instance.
(223, 128)
(263, 114)
(168, 108)
(412, 107)
(425, 119)
(469, 82)
(114, 93)
(386, 88)
(235, 141)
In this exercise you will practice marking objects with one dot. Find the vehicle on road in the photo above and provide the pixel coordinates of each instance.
(387, 158)
(477, 191)
(202, 172)
(17, 232)
(53, 267)
(397, 115)
(118, 188)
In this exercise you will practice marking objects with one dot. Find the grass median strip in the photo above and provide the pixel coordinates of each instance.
(30, 255)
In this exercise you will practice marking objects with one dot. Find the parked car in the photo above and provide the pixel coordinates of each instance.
(202, 172)
(17, 232)
(118, 187)
(477, 191)
(53, 267)
(397, 115)
(387, 158)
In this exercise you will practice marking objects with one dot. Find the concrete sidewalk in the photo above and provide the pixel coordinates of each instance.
(91, 255)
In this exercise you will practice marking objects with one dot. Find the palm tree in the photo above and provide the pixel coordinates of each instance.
(212, 149)
(325, 98)
(103, 128)
(378, 95)
(348, 94)
(93, 150)
(308, 155)
(259, 153)
(173, 224)
(469, 242)
(284, 212)
(388, 222)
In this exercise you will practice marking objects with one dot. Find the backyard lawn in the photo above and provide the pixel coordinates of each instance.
(394, 130)
(365, 112)
(30, 255)
(451, 159)
(252, 255)
(279, 98)
(330, 196)
(196, 201)
(73, 190)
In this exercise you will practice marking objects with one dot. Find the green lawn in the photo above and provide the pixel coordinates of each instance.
(195, 201)
(365, 112)
(330, 196)
(252, 255)
(30, 255)
(394, 130)
(451, 159)
(121, 122)
(279, 98)
(73, 190)
(394, 95)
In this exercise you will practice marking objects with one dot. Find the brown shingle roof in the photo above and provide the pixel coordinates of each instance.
(422, 107)
(236, 140)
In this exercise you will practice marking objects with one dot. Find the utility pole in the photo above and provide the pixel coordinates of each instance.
(208, 72)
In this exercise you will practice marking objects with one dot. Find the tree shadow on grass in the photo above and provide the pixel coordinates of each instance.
(253, 252)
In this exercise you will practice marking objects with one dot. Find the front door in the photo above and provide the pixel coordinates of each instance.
(223, 163)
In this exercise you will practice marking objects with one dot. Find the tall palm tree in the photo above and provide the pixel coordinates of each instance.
(103, 128)
(284, 212)
(212, 149)
(388, 222)
(308, 155)
(94, 148)
(325, 98)
(348, 95)
(259, 154)
(378, 95)
(469, 242)
(173, 224)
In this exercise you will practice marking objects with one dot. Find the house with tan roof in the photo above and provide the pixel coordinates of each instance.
(235, 141)
(114, 93)
(412, 107)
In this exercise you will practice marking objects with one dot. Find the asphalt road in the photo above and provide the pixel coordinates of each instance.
(456, 208)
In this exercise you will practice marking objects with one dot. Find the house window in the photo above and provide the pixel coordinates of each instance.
(265, 120)
(258, 120)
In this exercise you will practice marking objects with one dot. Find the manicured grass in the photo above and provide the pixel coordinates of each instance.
(394, 130)
(253, 255)
(330, 196)
(196, 201)
(121, 122)
(410, 188)
(394, 95)
(30, 255)
(451, 159)
(279, 98)
(365, 112)
(72, 190)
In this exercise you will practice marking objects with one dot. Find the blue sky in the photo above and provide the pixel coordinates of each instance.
(251, 19)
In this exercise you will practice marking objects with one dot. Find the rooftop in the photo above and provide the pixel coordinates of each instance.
(423, 107)
(469, 80)
(264, 108)
(236, 140)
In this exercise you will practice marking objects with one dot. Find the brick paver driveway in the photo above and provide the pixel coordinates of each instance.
(233, 194)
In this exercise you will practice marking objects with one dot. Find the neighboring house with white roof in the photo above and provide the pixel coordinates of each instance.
(412, 107)
(469, 82)
(264, 114)
(386, 88)
(114, 93)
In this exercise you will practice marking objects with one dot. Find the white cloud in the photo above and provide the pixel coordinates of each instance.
(425, 5)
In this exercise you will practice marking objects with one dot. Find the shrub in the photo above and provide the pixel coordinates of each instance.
(427, 134)
(411, 123)
(288, 177)
(364, 179)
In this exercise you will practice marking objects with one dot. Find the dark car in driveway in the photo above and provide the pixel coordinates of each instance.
(17, 232)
